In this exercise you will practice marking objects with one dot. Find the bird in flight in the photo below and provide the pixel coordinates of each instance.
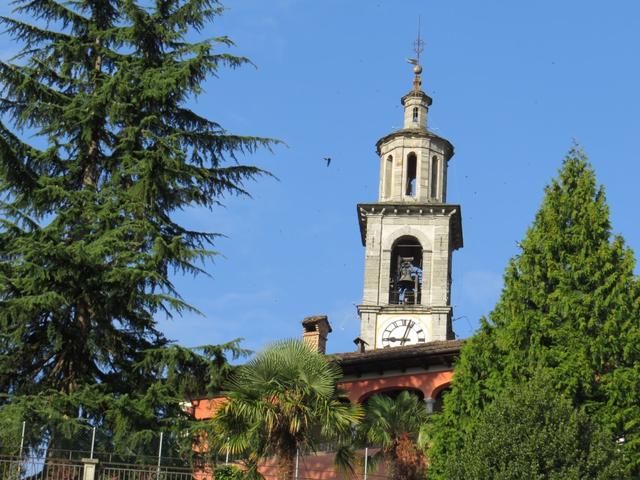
(328, 160)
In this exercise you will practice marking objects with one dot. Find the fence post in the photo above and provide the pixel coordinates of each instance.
(24, 427)
(366, 461)
(297, 463)
(93, 441)
(160, 452)
(90, 467)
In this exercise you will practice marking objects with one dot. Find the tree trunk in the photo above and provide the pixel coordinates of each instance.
(287, 467)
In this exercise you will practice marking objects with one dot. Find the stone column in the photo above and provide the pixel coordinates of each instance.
(90, 465)
(429, 403)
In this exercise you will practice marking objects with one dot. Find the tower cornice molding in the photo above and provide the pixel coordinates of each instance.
(413, 209)
(404, 309)
(415, 133)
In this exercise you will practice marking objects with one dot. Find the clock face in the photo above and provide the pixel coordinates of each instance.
(402, 332)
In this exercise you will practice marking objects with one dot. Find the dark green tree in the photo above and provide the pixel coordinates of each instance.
(570, 304)
(98, 151)
(531, 433)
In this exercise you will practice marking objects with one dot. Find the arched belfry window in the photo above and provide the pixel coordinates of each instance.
(412, 161)
(434, 177)
(406, 272)
(388, 176)
(415, 114)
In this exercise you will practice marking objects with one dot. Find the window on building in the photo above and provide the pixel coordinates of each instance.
(434, 177)
(412, 169)
(406, 272)
(388, 176)
(415, 114)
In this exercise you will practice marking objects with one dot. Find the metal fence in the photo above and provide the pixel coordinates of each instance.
(135, 472)
(99, 459)
(16, 468)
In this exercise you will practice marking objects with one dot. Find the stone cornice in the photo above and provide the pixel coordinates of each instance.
(416, 133)
(413, 209)
(400, 309)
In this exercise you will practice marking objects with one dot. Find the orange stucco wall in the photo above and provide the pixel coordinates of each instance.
(204, 408)
(429, 383)
(320, 466)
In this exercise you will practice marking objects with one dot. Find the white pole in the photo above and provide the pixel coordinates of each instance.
(297, 463)
(366, 461)
(24, 426)
(160, 452)
(226, 460)
(93, 441)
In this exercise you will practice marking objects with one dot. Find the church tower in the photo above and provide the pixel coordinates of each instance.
(409, 234)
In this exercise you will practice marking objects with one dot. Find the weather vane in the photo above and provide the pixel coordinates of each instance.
(418, 48)
(418, 45)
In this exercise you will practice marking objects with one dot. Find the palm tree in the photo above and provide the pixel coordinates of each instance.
(394, 425)
(282, 402)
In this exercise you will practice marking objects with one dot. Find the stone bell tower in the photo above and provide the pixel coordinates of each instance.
(409, 234)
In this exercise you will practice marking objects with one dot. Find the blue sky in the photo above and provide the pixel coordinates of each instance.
(513, 84)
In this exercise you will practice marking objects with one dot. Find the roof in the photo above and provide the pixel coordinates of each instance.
(418, 355)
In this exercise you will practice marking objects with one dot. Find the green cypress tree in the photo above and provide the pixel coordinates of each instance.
(531, 432)
(570, 305)
(98, 151)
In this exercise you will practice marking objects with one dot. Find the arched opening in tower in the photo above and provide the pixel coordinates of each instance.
(406, 272)
(411, 174)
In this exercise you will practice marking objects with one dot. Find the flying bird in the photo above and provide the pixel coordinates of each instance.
(328, 160)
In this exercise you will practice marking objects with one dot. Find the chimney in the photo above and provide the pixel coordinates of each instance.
(360, 344)
(315, 331)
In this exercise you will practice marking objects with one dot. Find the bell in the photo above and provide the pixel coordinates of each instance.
(405, 276)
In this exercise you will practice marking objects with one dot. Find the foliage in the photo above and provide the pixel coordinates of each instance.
(228, 472)
(570, 304)
(98, 152)
(282, 402)
(530, 432)
(394, 424)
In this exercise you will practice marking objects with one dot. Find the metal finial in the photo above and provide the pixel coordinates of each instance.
(418, 45)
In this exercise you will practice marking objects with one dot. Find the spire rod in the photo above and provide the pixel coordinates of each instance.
(418, 48)
(418, 44)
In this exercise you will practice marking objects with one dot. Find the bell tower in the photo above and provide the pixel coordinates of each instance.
(410, 233)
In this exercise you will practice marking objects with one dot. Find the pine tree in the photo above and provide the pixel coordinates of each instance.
(570, 305)
(98, 151)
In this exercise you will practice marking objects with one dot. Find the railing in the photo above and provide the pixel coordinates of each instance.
(14, 468)
(116, 471)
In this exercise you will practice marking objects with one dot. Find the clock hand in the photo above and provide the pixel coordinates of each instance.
(405, 336)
